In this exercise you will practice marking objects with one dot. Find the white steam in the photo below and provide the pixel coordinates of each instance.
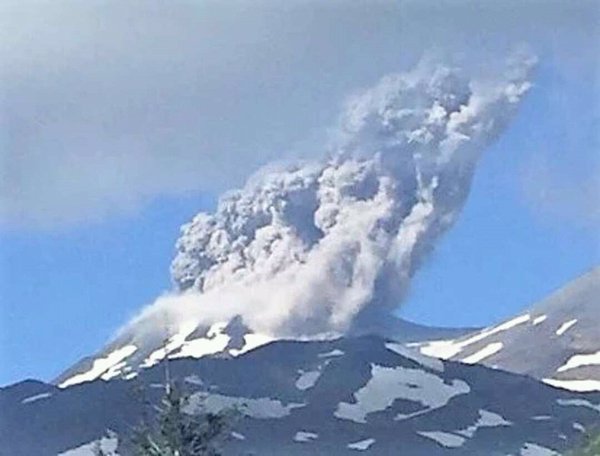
(322, 247)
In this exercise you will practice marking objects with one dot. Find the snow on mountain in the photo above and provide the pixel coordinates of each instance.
(122, 359)
(389, 384)
(368, 398)
(556, 340)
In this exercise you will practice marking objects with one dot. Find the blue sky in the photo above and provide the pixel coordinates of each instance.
(95, 242)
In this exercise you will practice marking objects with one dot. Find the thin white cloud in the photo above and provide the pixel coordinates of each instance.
(106, 105)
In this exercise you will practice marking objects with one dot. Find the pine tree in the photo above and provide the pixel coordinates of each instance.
(178, 433)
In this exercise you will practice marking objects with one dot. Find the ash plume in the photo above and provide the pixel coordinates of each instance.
(321, 247)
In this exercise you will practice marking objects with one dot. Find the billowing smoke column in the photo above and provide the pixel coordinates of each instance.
(319, 247)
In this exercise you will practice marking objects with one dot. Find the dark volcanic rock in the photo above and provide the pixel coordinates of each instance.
(315, 398)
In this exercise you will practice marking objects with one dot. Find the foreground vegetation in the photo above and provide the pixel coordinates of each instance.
(590, 447)
(174, 432)
(181, 434)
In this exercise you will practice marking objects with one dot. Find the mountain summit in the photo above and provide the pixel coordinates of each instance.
(128, 354)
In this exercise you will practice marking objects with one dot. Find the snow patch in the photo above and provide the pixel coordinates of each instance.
(565, 327)
(446, 349)
(37, 397)
(537, 320)
(101, 366)
(443, 349)
(252, 341)
(531, 449)
(260, 408)
(304, 436)
(486, 419)
(238, 436)
(581, 360)
(114, 371)
(578, 403)
(582, 386)
(361, 445)
(331, 354)
(194, 380)
(486, 352)
(175, 342)
(307, 380)
(444, 438)
(215, 341)
(390, 383)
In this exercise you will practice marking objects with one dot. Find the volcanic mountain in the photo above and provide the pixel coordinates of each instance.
(363, 395)
(283, 304)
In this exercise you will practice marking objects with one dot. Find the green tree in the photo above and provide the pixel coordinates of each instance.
(177, 433)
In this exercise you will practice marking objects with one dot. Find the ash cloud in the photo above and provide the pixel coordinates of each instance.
(320, 247)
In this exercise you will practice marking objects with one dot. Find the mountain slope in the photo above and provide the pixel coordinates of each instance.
(349, 396)
(130, 352)
(557, 340)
